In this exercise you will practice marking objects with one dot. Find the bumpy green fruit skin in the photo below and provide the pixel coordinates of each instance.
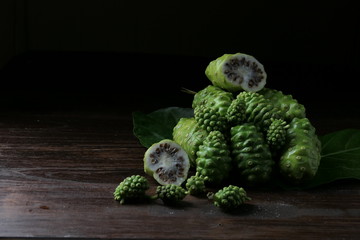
(213, 158)
(251, 155)
(195, 185)
(276, 134)
(230, 198)
(259, 110)
(290, 107)
(131, 189)
(209, 119)
(236, 112)
(170, 194)
(189, 136)
(210, 108)
(301, 158)
(215, 74)
(212, 96)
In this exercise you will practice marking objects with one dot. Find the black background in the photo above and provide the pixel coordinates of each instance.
(119, 55)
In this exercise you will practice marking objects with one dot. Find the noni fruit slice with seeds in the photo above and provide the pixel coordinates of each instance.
(167, 162)
(235, 72)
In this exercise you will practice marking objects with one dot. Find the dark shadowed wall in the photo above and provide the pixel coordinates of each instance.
(316, 31)
(133, 41)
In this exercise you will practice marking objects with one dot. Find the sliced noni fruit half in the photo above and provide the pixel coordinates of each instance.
(167, 162)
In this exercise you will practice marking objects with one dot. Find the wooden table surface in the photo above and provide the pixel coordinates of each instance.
(58, 172)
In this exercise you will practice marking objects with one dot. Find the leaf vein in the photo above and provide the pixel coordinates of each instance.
(340, 152)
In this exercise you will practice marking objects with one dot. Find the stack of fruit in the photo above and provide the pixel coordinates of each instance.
(240, 131)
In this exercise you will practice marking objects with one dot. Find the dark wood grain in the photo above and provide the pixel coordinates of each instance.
(58, 172)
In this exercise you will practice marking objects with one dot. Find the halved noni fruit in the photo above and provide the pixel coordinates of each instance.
(236, 72)
(167, 162)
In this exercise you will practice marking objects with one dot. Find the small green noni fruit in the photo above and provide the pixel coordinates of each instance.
(251, 154)
(209, 119)
(290, 107)
(213, 158)
(235, 72)
(210, 108)
(259, 110)
(189, 136)
(301, 157)
(170, 194)
(236, 112)
(195, 185)
(276, 134)
(230, 198)
(131, 189)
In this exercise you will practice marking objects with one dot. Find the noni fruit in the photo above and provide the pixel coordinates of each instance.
(251, 154)
(213, 158)
(210, 108)
(235, 72)
(131, 189)
(170, 194)
(259, 110)
(230, 198)
(301, 156)
(276, 134)
(195, 185)
(189, 136)
(290, 108)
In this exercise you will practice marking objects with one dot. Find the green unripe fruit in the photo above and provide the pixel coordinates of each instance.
(195, 185)
(236, 112)
(259, 110)
(209, 119)
(213, 158)
(212, 96)
(276, 134)
(189, 136)
(251, 154)
(131, 189)
(210, 107)
(230, 198)
(170, 194)
(301, 158)
(235, 72)
(290, 108)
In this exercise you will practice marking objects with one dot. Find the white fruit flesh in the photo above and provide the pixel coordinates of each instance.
(245, 70)
(167, 162)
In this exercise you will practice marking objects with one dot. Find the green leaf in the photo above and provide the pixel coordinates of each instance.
(340, 157)
(158, 125)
